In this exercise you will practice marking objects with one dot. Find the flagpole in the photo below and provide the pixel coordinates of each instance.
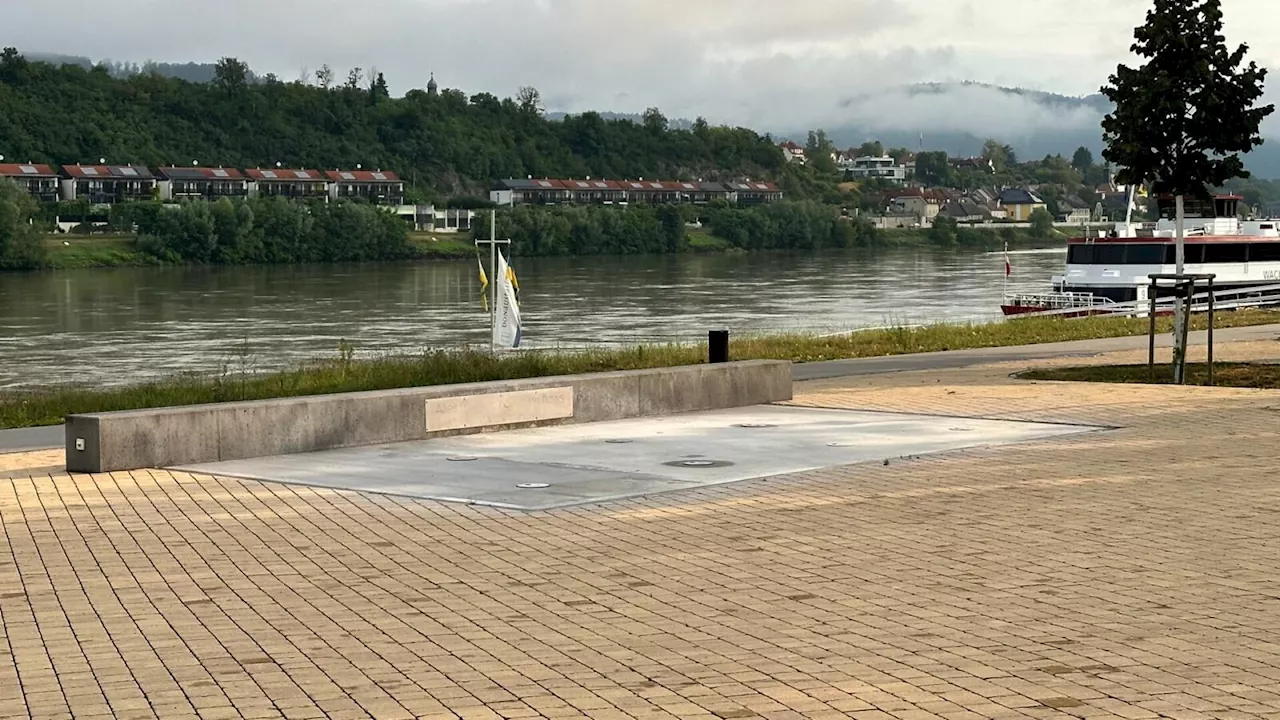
(493, 243)
(1004, 291)
(493, 280)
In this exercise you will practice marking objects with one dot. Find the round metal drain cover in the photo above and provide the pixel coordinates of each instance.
(839, 444)
(698, 464)
(533, 486)
(619, 441)
(462, 458)
(754, 425)
(959, 429)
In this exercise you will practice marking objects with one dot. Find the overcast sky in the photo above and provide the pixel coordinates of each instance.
(769, 64)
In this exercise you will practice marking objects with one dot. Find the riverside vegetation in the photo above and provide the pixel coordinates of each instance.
(273, 230)
(347, 373)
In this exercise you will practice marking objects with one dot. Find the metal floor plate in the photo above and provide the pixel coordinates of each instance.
(579, 464)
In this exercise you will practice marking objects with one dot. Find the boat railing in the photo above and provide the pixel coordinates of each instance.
(1059, 300)
(1234, 299)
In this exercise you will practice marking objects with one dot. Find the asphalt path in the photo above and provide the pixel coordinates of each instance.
(49, 438)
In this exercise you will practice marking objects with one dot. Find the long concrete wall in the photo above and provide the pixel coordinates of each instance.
(106, 442)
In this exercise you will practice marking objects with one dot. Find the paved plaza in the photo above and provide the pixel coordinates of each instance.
(1126, 573)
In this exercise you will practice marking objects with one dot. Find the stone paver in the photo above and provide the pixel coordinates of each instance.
(1132, 574)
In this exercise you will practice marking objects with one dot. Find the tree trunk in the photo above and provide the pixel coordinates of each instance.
(1179, 312)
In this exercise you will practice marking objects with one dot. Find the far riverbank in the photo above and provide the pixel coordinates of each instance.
(79, 251)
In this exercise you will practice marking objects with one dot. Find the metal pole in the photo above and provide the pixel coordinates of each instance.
(1151, 334)
(1180, 331)
(1004, 289)
(1180, 319)
(493, 280)
(1211, 293)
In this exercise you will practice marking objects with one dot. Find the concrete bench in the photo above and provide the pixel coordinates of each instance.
(163, 437)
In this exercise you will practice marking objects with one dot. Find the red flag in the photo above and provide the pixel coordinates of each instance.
(1008, 269)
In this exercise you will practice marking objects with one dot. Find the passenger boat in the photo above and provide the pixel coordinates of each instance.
(1110, 271)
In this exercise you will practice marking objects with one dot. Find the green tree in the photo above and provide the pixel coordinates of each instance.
(1055, 169)
(1041, 224)
(324, 77)
(20, 240)
(529, 100)
(673, 228)
(655, 121)
(378, 89)
(1082, 160)
(818, 151)
(1182, 119)
(874, 149)
(231, 75)
(996, 154)
(933, 168)
(943, 231)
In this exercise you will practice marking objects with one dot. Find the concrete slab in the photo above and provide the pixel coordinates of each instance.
(600, 462)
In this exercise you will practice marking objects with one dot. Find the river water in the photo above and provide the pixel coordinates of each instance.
(127, 325)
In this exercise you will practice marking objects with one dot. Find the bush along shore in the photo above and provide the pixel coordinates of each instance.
(346, 373)
(275, 230)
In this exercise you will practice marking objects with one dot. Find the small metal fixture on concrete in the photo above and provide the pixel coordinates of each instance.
(619, 441)
(533, 486)
(699, 464)
(462, 458)
(754, 425)
(718, 346)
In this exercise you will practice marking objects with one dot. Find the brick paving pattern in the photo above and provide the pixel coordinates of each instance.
(1130, 574)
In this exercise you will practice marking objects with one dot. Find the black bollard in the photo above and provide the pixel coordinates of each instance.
(718, 346)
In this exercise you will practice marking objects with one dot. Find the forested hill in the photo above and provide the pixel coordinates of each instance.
(447, 143)
(195, 72)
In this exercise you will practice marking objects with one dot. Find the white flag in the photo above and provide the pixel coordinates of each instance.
(506, 326)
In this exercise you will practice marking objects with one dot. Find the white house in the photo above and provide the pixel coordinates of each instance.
(430, 218)
(882, 167)
(793, 152)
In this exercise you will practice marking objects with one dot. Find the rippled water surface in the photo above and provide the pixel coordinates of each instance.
(125, 325)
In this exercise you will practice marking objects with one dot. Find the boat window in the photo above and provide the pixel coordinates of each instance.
(1225, 252)
(1194, 253)
(1080, 255)
(1144, 255)
(1264, 252)
(1109, 254)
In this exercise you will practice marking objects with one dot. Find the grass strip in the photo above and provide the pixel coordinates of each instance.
(1237, 375)
(345, 373)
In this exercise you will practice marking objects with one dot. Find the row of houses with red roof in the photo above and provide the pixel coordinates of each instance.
(112, 184)
(547, 191)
